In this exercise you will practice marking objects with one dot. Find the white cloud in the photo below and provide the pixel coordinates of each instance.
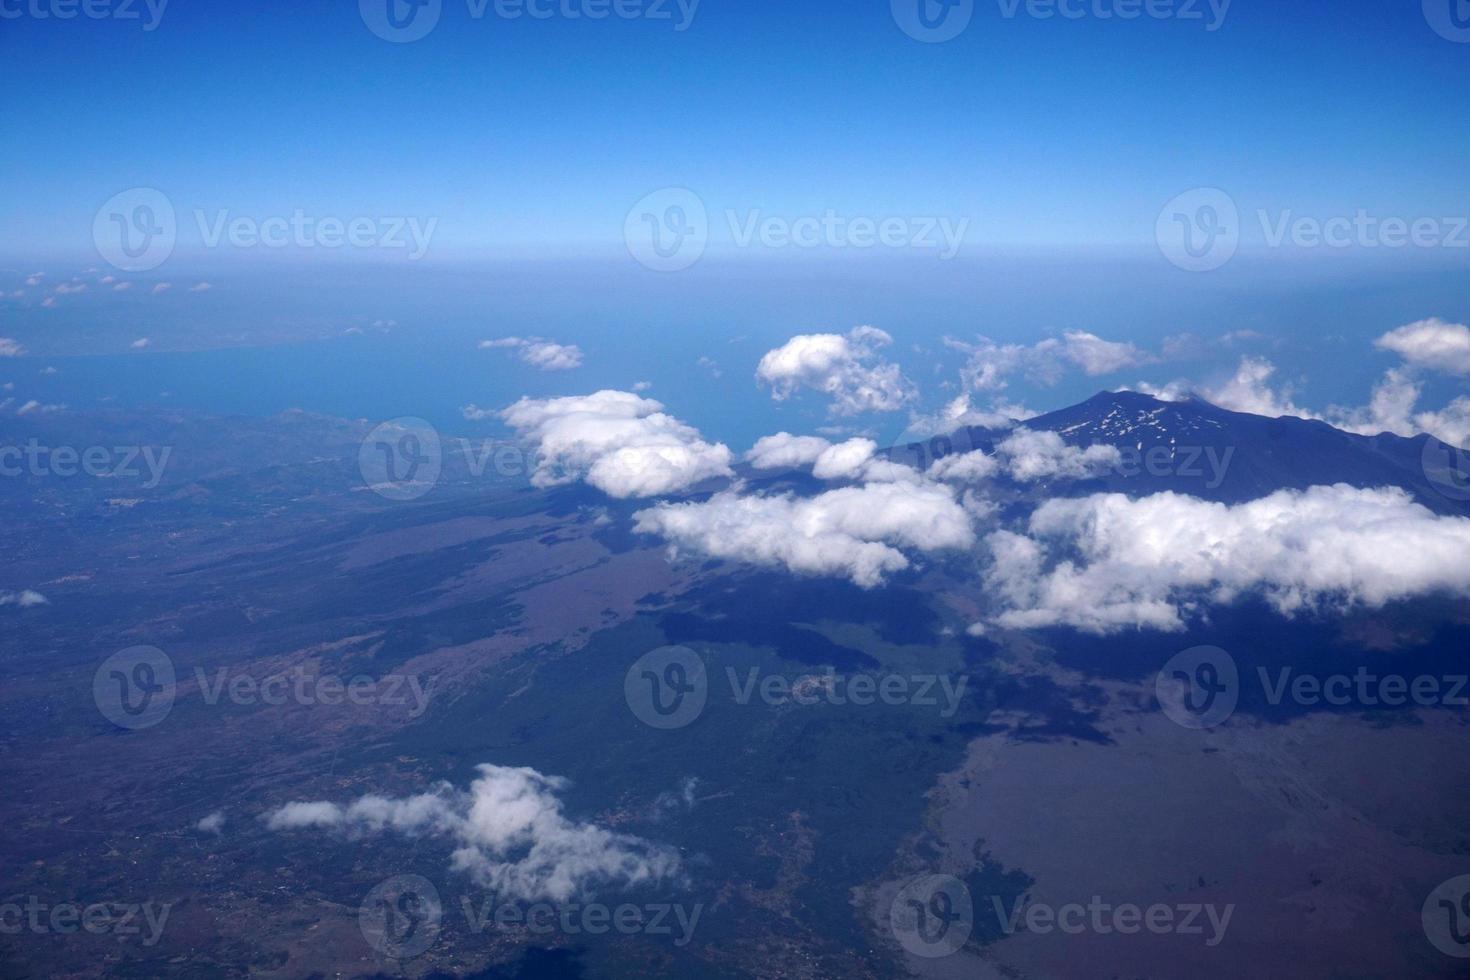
(1106, 562)
(201, 287)
(846, 368)
(511, 833)
(1249, 391)
(990, 365)
(9, 348)
(785, 451)
(971, 467)
(1096, 356)
(854, 532)
(546, 355)
(34, 407)
(212, 824)
(139, 344)
(122, 287)
(1431, 344)
(67, 288)
(618, 442)
(161, 287)
(958, 414)
(844, 461)
(25, 599)
(1038, 455)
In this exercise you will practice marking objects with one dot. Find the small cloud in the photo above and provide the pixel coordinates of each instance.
(539, 353)
(49, 302)
(24, 599)
(122, 286)
(201, 287)
(9, 348)
(108, 279)
(212, 824)
(34, 407)
(161, 287)
(34, 280)
(48, 370)
(642, 385)
(712, 366)
(139, 344)
(67, 288)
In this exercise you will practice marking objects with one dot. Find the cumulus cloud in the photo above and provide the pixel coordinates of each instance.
(1028, 456)
(846, 368)
(24, 599)
(1431, 344)
(34, 407)
(785, 451)
(161, 287)
(844, 461)
(511, 835)
(971, 467)
(546, 355)
(1249, 390)
(959, 413)
(853, 532)
(989, 365)
(1039, 455)
(67, 288)
(214, 823)
(1106, 562)
(618, 442)
(1096, 356)
(9, 348)
(139, 344)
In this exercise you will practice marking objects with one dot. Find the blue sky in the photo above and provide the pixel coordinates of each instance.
(1058, 144)
(541, 133)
